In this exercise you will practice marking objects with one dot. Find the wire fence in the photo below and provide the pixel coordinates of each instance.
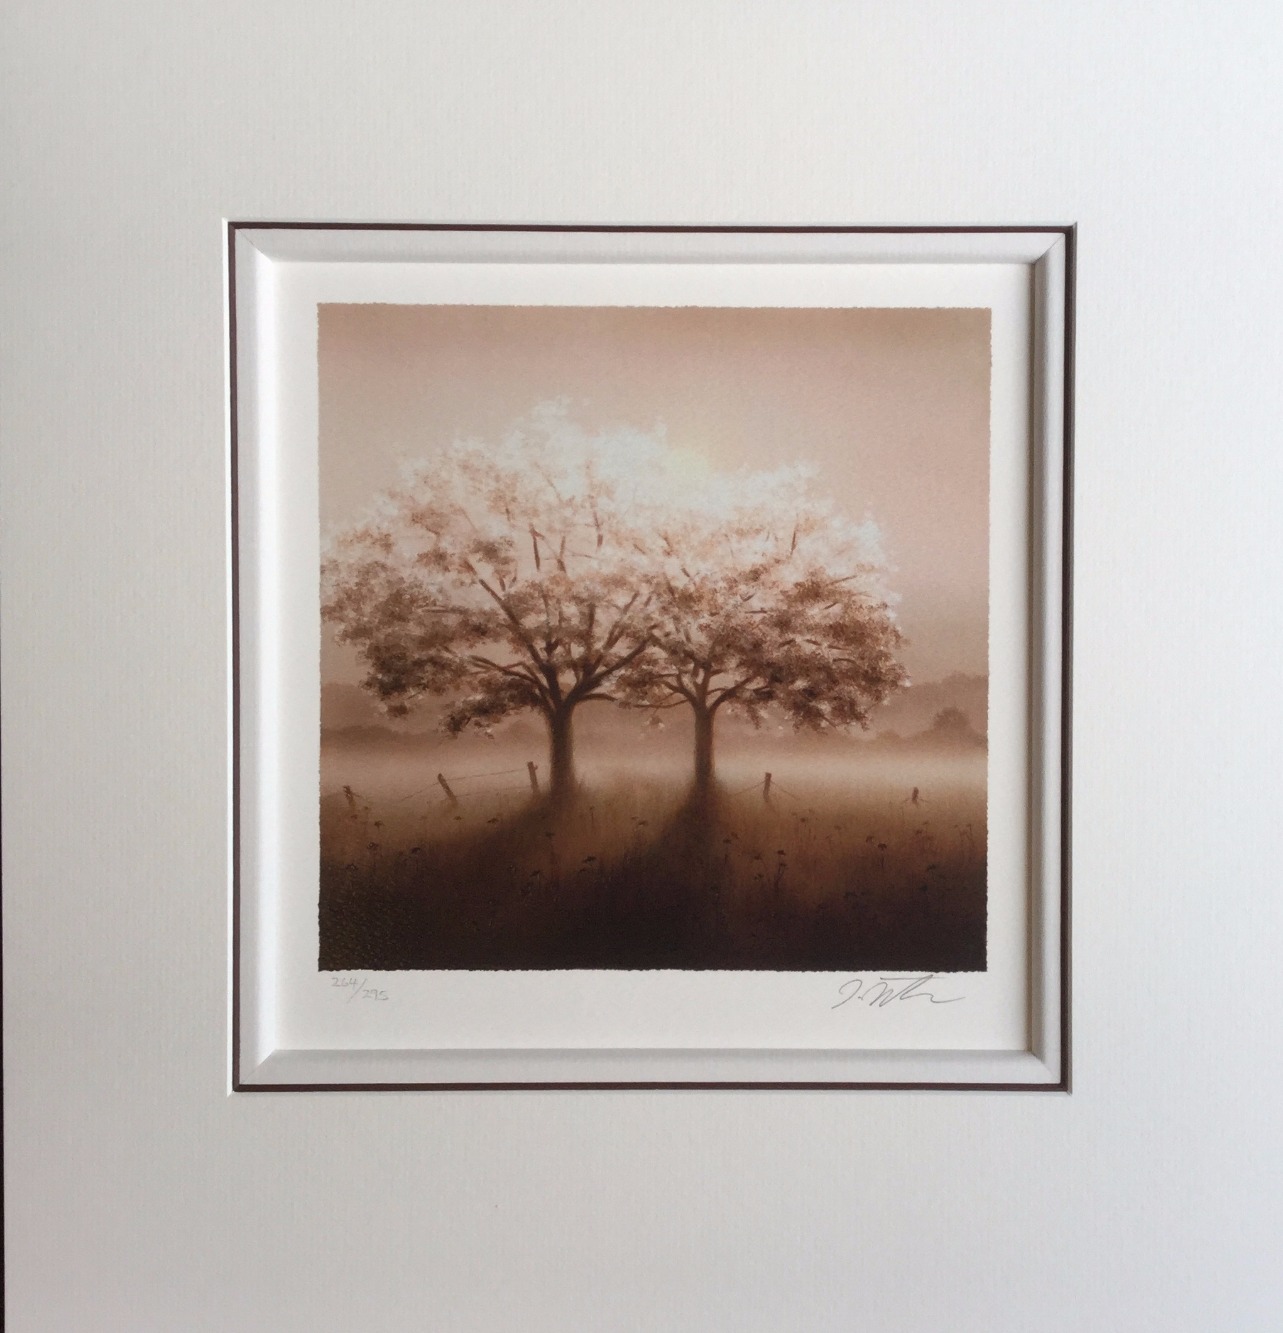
(767, 785)
(446, 782)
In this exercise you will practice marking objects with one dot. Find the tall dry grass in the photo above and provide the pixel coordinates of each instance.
(843, 869)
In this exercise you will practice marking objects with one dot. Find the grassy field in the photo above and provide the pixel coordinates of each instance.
(840, 869)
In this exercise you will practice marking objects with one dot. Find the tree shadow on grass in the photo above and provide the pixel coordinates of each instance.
(540, 889)
(656, 906)
(692, 899)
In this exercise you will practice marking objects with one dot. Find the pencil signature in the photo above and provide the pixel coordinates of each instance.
(878, 992)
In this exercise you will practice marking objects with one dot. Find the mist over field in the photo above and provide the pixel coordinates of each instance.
(863, 852)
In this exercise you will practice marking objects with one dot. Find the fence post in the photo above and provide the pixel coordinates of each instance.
(533, 770)
(766, 789)
(454, 800)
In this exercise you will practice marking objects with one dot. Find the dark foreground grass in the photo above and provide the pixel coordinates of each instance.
(642, 876)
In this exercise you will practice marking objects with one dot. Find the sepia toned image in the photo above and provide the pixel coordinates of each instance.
(653, 638)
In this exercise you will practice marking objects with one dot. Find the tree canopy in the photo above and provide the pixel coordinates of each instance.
(764, 596)
(509, 575)
(555, 567)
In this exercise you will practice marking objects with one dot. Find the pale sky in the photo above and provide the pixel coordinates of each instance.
(892, 407)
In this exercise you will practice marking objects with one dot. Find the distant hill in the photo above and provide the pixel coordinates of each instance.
(914, 709)
(344, 707)
(366, 737)
(950, 733)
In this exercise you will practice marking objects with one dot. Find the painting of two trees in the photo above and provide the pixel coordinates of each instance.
(620, 704)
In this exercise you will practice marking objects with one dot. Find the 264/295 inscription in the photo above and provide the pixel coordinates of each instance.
(359, 990)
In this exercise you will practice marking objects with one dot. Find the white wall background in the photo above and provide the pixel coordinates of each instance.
(140, 1197)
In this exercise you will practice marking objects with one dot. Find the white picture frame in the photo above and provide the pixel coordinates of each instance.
(276, 274)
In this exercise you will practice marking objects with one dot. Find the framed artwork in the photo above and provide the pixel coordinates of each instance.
(651, 656)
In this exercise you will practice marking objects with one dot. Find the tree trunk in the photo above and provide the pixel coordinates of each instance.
(561, 738)
(703, 749)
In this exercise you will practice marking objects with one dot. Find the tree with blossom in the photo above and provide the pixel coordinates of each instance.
(510, 576)
(762, 595)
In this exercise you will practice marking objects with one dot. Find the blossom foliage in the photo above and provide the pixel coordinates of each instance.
(557, 566)
(763, 595)
(506, 575)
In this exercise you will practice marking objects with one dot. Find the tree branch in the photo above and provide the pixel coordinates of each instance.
(518, 672)
(730, 691)
(612, 634)
(526, 641)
